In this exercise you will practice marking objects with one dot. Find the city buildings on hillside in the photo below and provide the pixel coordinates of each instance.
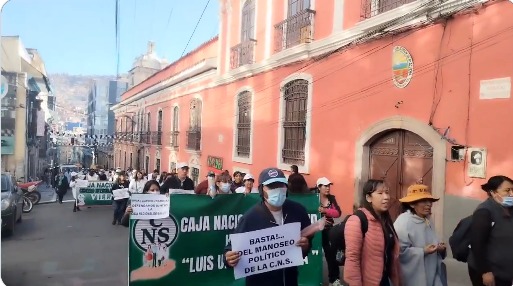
(100, 120)
(26, 108)
(404, 91)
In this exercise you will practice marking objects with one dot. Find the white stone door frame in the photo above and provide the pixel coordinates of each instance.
(362, 158)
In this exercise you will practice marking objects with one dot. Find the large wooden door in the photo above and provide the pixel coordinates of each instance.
(400, 158)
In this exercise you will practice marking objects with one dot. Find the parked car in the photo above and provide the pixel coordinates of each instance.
(12, 203)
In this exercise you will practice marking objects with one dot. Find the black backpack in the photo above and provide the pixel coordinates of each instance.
(460, 240)
(336, 235)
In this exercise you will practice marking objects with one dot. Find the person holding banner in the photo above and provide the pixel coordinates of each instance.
(275, 209)
(151, 187)
(120, 196)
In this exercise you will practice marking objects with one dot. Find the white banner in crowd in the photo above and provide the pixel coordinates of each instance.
(146, 206)
(82, 183)
(121, 194)
(267, 249)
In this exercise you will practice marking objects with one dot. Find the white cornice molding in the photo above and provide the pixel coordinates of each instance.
(194, 71)
(341, 38)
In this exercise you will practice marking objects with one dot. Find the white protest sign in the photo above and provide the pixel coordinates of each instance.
(267, 249)
(121, 194)
(82, 184)
(146, 206)
(181, 191)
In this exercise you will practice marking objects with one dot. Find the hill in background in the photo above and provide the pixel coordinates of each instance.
(71, 93)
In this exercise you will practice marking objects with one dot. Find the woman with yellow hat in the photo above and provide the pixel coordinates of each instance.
(421, 255)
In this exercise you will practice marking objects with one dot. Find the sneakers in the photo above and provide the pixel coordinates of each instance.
(336, 283)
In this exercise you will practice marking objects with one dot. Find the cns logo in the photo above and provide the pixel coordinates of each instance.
(154, 231)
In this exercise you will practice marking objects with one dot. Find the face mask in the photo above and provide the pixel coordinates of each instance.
(153, 192)
(276, 197)
(225, 187)
(507, 202)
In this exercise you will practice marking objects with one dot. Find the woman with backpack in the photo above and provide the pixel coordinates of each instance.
(372, 259)
(329, 209)
(422, 254)
(490, 262)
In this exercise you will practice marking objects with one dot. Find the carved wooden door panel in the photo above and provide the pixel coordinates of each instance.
(385, 164)
(417, 162)
(400, 158)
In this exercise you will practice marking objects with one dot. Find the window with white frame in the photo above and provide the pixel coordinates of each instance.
(295, 96)
(243, 137)
(372, 8)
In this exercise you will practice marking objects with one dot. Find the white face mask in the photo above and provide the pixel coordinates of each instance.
(225, 187)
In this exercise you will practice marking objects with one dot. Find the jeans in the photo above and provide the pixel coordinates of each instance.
(119, 209)
(330, 255)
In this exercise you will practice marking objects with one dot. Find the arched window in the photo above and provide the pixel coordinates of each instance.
(247, 25)
(148, 128)
(243, 53)
(194, 132)
(243, 124)
(159, 128)
(174, 135)
(294, 122)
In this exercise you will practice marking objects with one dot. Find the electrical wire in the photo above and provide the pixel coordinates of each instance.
(195, 27)
(118, 42)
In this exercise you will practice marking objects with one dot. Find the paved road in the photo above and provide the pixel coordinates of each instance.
(48, 194)
(55, 247)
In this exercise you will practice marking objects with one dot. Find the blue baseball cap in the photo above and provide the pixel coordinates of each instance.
(272, 175)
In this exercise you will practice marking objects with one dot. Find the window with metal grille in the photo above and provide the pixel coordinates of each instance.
(174, 135)
(195, 175)
(294, 122)
(194, 132)
(372, 8)
(244, 124)
(159, 128)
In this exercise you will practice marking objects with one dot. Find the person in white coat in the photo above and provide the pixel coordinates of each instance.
(74, 191)
(137, 183)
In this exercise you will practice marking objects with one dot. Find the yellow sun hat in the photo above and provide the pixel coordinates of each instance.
(418, 192)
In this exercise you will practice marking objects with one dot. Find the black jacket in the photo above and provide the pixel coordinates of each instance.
(259, 217)
(491, 235)
(175, 183)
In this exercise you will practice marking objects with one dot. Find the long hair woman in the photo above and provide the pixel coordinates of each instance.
(372, 259)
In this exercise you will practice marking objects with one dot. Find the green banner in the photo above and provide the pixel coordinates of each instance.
(96, 193)
(187, 248)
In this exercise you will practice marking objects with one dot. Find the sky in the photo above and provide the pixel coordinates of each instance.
(79, 37)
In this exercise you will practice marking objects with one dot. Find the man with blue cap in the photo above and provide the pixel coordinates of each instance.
(275, 209)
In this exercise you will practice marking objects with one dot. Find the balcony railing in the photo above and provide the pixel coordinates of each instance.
(371, 8)
(145, 137)
(174, 139)
(194, 140)
(242, 54)
(295, 30)
(156, 137)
